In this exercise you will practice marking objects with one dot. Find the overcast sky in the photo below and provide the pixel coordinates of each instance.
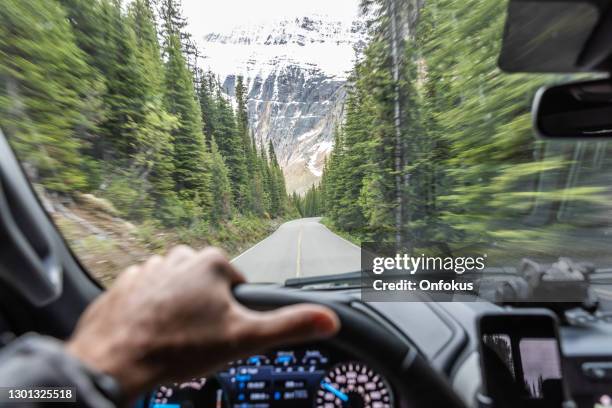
(207, 16)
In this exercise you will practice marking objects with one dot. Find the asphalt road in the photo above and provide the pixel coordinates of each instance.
(298, 248)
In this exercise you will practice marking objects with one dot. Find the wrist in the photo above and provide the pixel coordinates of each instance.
(131, 373)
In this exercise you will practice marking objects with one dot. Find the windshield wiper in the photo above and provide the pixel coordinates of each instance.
(338, 279)
(354, 278)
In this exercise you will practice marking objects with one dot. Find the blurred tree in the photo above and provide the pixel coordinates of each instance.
(124, 99)
(470, 166)
(93, 102)
(47, 91)
(155, 143)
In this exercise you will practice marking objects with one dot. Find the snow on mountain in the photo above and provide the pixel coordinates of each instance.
(310, 42)
(295, 70)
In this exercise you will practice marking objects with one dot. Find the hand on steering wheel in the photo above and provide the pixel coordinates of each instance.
(175, 317)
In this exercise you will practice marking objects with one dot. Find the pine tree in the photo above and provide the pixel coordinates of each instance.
(463, 137)
(192, 181)
(148, 53)
(103, 107)
(242, 116)
(254, 197)
(266, 180)
(231, 148)
(174, 23)
(46, 91)
(276, 184)
(153, 159)
(221, 188)
(86, 20)
(331, 178)
(124, 99)
(208, 106)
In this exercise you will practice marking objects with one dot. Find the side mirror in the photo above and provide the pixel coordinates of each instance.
(576, 110)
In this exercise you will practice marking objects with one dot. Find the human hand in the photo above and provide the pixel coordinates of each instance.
(175, 317)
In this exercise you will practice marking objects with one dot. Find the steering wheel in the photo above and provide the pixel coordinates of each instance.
(371, 339)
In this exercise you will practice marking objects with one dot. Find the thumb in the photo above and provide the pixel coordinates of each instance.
(288, 325)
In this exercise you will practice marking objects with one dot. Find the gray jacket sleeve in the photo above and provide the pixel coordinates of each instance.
(37, 361)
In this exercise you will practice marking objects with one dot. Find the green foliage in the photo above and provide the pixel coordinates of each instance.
(258, 186)
(436, 148)
(311, 205)
(46, 91)
(208, 106)
(124, 99)
(190, 176)
(128, 195)
(148, 53)
(275, 184)
(153, 160)
(254, 191)
(90, 105)
(232, 149)
(470, 170)
(221, 188)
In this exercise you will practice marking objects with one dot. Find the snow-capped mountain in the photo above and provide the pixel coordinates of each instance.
(295, 71)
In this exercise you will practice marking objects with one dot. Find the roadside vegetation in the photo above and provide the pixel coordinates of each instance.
(108, 100)
(106, 243)
(461, 170)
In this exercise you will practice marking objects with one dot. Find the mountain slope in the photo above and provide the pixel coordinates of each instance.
(295, 71)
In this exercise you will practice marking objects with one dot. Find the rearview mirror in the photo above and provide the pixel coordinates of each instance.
(574, 110)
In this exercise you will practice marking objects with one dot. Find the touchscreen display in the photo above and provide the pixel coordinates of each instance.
(521, 362)
(541, 366)
(539, 369)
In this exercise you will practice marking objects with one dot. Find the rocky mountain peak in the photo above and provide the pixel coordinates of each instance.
(295, 70)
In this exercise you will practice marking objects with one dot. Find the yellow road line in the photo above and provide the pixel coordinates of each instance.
(298, 263)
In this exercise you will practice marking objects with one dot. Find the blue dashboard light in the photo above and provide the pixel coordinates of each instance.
(277, 395)
(166, 406)
(284, 359)
(334, 391)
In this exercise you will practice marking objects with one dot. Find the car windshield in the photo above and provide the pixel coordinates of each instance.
(291, 132)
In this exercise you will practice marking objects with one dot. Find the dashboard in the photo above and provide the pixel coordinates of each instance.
(304, 377)
(387, 355)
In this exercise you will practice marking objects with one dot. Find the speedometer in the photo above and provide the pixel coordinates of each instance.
(353, 385)
(195, 393)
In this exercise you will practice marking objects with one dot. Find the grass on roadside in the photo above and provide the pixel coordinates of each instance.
(333, 228)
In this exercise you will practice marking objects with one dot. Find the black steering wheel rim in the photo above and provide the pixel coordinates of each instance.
(415, 382)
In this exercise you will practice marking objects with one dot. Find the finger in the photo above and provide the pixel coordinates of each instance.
(287, 325)
(218, 259)
(130, 273)
(234, 275)
(153, 264)
(179, 254)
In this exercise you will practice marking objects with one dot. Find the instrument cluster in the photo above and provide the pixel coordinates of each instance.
(292, 378)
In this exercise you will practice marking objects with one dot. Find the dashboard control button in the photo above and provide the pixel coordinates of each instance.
(598, 371)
